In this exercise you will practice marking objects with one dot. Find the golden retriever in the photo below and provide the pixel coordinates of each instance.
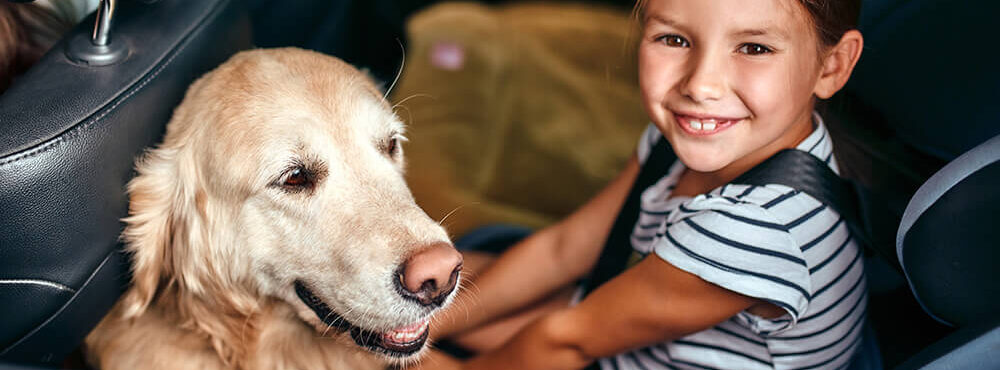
(273, 229)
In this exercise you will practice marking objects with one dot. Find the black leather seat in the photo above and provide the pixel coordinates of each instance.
(69, 133)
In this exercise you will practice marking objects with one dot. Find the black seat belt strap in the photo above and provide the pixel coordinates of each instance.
(618, 246)
(805, 172)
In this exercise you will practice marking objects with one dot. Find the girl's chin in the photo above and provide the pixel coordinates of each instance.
(703, 163)
(705, 166)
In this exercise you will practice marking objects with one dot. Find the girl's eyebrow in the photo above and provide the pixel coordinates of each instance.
(769, 29)
(659, 19)
(764, 31)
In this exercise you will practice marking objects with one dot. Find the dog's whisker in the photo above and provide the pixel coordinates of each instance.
(332, 324)
(402, 63)
(409, 114)
(456, 209)
(471, 284)
(469, 299)
(417, 95)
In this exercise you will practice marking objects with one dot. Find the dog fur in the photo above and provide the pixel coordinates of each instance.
(217, 239)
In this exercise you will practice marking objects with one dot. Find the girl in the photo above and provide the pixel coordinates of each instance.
(733, 276)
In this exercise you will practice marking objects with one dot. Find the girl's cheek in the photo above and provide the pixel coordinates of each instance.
(760, 86)
(658, 73)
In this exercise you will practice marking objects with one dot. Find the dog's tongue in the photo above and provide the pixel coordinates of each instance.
(406, 334)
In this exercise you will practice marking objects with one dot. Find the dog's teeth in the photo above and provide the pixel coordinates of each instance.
(407, 333)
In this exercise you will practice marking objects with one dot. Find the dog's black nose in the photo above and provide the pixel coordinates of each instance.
(431, 274)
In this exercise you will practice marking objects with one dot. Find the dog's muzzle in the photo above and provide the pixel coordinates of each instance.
(400, 342)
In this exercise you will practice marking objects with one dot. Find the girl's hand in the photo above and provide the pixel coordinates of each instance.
(649, 303)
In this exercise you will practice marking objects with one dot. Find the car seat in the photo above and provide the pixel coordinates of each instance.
(912, 106)
(70, 130)
(947, 245)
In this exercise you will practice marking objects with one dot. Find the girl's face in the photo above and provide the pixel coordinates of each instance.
(728, 82)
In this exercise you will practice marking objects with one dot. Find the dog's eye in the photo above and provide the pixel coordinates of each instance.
(298, 178)
(393, 146)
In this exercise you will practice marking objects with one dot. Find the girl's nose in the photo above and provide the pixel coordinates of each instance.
(705, 78)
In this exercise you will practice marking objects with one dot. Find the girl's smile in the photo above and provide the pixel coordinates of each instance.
(703, 125)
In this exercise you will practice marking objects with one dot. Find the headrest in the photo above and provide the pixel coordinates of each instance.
(948, 238)
(927, 70)
(69, 135)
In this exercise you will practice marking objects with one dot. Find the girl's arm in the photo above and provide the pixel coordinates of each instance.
(650, 303)
(541, 264)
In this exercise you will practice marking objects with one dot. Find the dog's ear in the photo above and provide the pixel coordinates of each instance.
(157, 227)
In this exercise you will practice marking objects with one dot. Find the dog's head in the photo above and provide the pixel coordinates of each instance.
(281, 177)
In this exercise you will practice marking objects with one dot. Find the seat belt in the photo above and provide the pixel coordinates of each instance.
(618, 245)
(805, 172)
(794, 168)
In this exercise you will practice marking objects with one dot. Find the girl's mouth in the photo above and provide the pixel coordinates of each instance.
(704, 125)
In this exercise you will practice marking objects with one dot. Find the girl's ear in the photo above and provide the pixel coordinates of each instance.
(838, 64)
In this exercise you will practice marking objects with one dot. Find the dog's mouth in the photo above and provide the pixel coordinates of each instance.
(399, 342)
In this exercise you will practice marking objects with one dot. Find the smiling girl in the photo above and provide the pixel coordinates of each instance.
(731, 275)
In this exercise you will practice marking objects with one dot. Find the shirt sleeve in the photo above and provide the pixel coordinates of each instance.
(741, 247)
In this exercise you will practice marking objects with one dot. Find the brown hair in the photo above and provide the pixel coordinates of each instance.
(26, 33)
(831, 18)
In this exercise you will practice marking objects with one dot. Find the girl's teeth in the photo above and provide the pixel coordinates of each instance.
(703, 125)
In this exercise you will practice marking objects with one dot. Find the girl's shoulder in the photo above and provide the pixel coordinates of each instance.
(772, 203)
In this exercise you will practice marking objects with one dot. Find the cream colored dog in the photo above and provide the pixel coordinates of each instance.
(273, 229)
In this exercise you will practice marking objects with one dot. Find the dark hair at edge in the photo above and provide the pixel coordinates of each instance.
(832, 18)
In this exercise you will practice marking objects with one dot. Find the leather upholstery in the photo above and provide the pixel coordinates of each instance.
(69, 134)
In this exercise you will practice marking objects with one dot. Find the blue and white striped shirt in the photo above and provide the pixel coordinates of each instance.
(769, 242)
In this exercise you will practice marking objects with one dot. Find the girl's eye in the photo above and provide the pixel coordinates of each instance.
(298, 178)
(754, 49)
(674, 41)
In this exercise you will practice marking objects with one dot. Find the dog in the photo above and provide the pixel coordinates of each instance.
(273, 229)
(27, 31)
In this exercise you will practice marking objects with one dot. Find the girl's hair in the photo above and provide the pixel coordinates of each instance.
(831, 18)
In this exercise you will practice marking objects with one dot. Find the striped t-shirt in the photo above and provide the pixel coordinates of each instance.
(769, 242)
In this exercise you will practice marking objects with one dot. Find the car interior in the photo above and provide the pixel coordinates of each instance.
(72, 126)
